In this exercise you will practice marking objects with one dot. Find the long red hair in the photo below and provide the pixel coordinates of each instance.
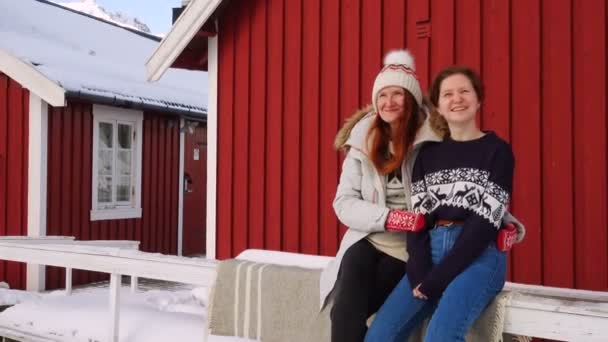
(380, 135)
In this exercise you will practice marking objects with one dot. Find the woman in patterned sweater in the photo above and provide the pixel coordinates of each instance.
(462, 185)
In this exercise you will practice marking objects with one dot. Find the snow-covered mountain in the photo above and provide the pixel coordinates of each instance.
(92, 8)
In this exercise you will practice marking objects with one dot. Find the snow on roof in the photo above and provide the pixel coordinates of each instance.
(91, 58)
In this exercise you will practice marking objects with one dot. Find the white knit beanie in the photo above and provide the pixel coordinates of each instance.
(398, 71)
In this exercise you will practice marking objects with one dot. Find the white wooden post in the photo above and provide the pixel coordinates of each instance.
(37, 187)
(68, 281)
(115, 283)
(180, 197)
(212, 137)
(133, 284)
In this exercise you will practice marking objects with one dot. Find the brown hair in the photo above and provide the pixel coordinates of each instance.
(380, 135)
(436, 119)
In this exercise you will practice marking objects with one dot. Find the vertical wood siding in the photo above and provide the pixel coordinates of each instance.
(329, 112)
(257, 156)
(526, 136)
(290, 72)
(69, 186)
(310, 179)
(14, 123)
(557, 167)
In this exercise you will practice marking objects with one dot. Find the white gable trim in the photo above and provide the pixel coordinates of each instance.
(185, 28)
(32, 79)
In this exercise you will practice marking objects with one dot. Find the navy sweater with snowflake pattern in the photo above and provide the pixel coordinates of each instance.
(467, 181)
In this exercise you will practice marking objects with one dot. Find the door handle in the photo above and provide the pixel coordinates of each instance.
(187, 183)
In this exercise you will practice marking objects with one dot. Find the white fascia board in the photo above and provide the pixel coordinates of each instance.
(185, 28)
(32, 79)
(212, 133)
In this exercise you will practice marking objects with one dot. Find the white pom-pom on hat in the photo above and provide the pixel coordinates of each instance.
(400, 57)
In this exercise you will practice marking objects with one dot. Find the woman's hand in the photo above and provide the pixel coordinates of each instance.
(419, 294)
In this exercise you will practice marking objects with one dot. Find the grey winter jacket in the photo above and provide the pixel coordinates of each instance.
(360, 197)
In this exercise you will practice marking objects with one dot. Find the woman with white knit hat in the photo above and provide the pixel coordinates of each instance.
(373, 198)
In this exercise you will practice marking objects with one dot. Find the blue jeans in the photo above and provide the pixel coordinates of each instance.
(461, 303)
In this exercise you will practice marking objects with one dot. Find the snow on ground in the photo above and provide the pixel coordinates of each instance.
(150, 316)
(12, 297)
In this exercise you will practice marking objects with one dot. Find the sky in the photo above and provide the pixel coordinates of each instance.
(157, 14)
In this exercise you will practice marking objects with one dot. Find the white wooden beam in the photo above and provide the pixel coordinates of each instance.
(134, 284)
(212, 138)
(37, 187)
(180, 194)
(123, 244)
(115, 284)
(69, 240)
(16, 334)
(68, 281)
(182, 32)
(196, 271)
(32, 79)
(557, 292)
(38, 240)
(557, 318)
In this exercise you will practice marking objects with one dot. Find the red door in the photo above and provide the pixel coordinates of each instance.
(195, 191)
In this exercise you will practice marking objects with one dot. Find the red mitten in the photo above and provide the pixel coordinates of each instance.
(506, 237)
(404, 221)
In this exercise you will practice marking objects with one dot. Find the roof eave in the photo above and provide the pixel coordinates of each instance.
(30, 78)
(190, 112)
(185, 28)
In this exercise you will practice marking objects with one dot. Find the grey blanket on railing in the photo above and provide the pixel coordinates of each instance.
(271, 303)
(274, 303)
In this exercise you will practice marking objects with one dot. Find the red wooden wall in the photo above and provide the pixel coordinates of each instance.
(69, 186)
(290, 71)
(14, 114)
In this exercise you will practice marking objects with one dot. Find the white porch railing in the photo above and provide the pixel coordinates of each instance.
(557, 313)
(537, 311)
(117, 258)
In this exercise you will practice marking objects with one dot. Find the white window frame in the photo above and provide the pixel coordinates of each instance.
(119, 115)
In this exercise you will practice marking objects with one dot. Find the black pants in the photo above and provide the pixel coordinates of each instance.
(366, 278)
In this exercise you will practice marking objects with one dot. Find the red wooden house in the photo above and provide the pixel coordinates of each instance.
(89, 148)
(284, 74)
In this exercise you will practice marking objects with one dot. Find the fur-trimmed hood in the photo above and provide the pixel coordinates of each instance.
(354, 131)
